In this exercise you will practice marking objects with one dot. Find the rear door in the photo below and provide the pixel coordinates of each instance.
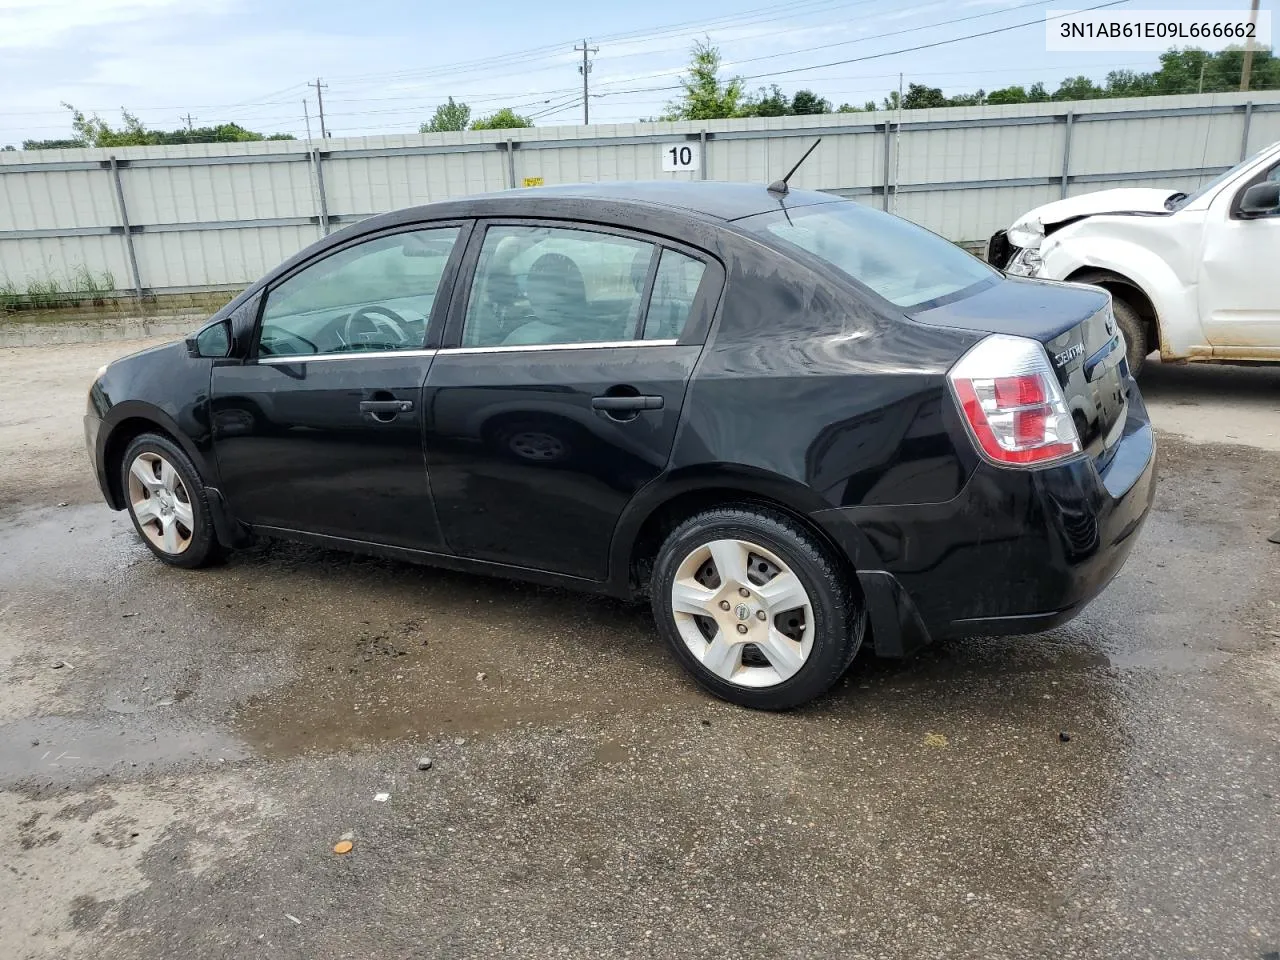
(320, 429)
(559, 389)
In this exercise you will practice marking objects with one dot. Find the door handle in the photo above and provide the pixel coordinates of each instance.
(386, 406)
(612, 404)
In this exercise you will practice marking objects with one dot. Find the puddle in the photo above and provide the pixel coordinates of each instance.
(71, 749)
(430, 654)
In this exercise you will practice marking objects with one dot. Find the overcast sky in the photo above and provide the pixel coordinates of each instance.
(387, 64)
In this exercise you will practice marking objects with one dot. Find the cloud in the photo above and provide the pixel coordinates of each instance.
(28, 24)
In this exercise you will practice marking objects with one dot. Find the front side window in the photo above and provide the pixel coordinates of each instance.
(536, 286)
(374, 296)
(905, 264)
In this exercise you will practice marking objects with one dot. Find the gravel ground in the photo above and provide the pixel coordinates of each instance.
(176, 786)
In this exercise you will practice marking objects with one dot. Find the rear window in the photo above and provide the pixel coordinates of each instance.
(905, 264)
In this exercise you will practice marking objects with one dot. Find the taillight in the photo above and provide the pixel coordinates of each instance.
(1013, 403)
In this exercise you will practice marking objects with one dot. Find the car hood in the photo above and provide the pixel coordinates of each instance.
(1029, 229)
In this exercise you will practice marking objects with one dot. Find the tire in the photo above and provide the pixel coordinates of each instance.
(785, 670)
(1135, 334)
(177, 526)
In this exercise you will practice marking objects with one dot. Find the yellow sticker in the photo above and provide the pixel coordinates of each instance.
(532, 181)
(935, 740)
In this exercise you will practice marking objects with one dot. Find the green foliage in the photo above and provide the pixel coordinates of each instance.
(919, 97)
(1181, 71)
(41, 293)
(705, 97)
(504, 119)
(765, 103)
(806, 102)
(53, 144)
(448, 116)
(93, 131)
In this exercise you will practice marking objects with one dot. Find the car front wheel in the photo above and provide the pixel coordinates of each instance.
(755, 608)
(167, 502)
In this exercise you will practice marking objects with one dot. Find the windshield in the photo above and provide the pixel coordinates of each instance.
(905, 264)
(1180, 200)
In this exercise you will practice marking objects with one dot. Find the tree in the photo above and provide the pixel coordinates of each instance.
(919, 96)
(1078, 88)
(504, 119)
(1036, 93)
(807, 102)
(969, 99)
(448, 116)
(53, 144)
(1008, 95)
(705, 97)
(95, 132)
(766, 103)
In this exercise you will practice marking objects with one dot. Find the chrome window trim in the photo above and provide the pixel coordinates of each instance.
(538, 347)
(352, 355)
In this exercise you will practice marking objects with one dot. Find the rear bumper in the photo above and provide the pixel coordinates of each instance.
(1017, 551)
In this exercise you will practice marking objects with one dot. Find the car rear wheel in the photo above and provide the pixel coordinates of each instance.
(1135, 334)
(167, 502)
(755, 608)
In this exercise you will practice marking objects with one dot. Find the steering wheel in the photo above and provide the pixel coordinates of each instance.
(376, 320)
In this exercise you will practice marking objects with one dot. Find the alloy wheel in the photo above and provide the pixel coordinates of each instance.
(743, 613)
(160, 503)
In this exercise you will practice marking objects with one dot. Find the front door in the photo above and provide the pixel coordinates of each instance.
(1239, 291)
(320, 430)
(560, 388)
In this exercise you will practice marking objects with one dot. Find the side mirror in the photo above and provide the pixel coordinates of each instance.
(212, 342)
(1261, 200)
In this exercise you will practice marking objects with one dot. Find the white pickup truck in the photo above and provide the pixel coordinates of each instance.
(1196, 275)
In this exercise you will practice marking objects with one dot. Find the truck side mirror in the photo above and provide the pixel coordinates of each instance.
(1261, 200)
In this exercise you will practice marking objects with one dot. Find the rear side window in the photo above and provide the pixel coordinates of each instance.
(536, 286)
(675, 286)
(905, 264)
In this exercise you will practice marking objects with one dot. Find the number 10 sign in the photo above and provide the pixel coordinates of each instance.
(679, 156)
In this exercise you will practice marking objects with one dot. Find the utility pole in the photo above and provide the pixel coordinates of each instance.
(1200, 85)
(897, 147)
(188, 118)
(320, 102)
(306, 115)
(584, 70)
(1247, 69)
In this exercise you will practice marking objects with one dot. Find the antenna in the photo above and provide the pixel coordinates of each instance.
(780, 186)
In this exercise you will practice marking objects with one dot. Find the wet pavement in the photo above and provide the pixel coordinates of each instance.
(180, 751)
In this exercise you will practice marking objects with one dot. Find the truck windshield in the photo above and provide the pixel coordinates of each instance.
(905, 264)
(1178, 201)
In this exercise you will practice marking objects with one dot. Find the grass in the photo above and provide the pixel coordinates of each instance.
(83, 286)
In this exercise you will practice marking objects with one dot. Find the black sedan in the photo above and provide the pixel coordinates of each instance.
(791, 421)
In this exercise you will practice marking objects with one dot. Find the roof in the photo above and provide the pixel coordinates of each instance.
(713, 198)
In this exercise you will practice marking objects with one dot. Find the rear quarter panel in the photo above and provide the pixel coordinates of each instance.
(807, 381)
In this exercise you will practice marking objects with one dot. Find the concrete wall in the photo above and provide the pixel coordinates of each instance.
(219, 215)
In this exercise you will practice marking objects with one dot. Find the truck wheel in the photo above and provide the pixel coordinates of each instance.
(1135, 334)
